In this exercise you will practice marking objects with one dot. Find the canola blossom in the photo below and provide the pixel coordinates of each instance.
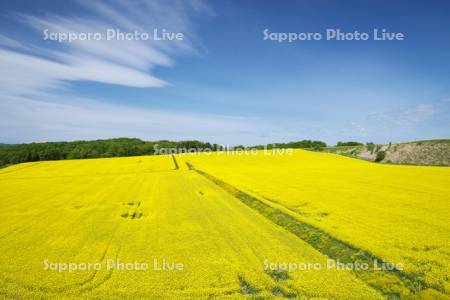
(398, 213)
(184, 226)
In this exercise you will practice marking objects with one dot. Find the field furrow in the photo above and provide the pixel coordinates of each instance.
(396, 213)
(161, 219)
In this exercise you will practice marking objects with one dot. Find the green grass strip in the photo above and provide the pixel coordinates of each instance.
(393, 284)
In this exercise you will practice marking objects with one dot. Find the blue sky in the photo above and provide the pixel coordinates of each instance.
(224, 83)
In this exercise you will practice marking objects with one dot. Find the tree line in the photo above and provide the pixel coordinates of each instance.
(18, 153)
(303, 144)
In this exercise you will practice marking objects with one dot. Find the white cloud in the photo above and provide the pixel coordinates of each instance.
(25, 74)
(28, 69)
(32, 76)
(35, 106)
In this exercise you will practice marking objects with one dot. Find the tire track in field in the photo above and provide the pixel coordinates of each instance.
(392, 283)
(177, 167)
(77, 288)
(283, 287)
(91, 278)
(84, 288)
(71, 288)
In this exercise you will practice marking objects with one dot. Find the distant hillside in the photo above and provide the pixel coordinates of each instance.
(429, 152)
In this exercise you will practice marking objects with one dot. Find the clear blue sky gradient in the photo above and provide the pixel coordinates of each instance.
(376, 91)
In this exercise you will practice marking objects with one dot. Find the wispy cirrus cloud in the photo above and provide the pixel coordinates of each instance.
(34, 105)
(30, 69)
(403, 118)
(408, 123)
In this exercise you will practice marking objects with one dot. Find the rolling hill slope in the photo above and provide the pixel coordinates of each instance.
(397, 213)
(138, 209)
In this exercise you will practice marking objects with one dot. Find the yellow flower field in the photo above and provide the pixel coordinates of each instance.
(398, 213)
(84, 214)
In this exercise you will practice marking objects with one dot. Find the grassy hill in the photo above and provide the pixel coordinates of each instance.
(426, 152)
